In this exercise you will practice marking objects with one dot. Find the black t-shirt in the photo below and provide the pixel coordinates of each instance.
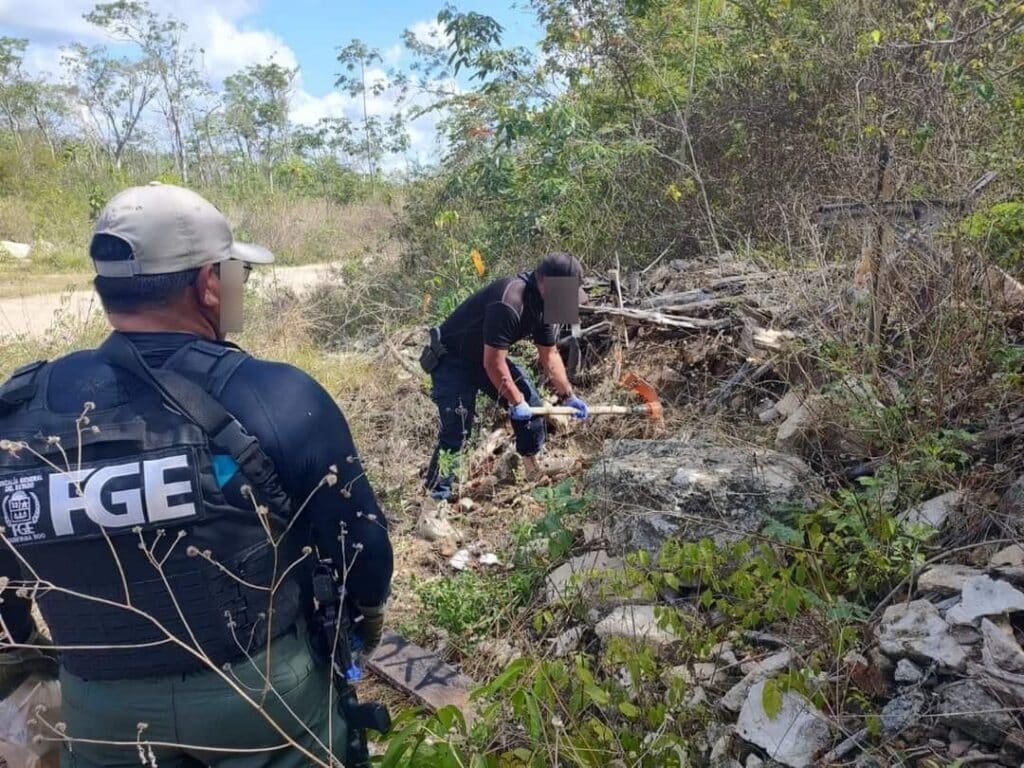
(298, 425)
(498, 315)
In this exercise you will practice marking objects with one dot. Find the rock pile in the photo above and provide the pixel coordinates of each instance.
(946, 667)
(19, 251)
(960, 673)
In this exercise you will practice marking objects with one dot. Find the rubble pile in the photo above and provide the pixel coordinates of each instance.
(948, 666)
(941, 666)
(958, 682)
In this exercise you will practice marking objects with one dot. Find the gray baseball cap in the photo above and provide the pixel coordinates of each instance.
(168, 229)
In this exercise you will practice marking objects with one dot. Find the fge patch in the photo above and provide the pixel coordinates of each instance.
(115, 496)
(20, 507)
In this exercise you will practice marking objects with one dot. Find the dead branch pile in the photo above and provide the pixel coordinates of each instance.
(700, 331)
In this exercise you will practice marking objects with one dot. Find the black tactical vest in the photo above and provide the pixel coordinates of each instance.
(128, 508)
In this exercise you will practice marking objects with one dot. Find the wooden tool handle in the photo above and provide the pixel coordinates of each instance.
(595, 410)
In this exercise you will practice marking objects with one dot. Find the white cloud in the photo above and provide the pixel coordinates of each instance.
(47, 21)
(228, 44)
(229, 48)
(431, 32)
(307, 109)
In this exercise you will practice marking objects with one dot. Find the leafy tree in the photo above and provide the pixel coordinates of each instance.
(378, 137)
(167, 55)
(114, 93)
(330, 137)
(27, 102)
(256, 110)
(13, 83)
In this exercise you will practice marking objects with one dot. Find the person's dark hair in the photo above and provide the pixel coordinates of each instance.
(126, 295)
(560, 264)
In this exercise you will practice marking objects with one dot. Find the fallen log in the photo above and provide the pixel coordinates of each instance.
(661, 319)
(737, 280)
(859, 740)
(487, 449)
(600, 327)
(748, 373)
(696, 307)
(669, 299)
(756, 340)
(1007, 292)
(830, 214)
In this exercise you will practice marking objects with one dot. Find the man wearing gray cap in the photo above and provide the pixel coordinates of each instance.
(170, 502)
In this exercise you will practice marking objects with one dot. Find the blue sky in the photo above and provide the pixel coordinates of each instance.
(249, 29)
(296, 33)
(313, 29)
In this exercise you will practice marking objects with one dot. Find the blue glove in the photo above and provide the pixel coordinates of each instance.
(581, 408)
(520, 412)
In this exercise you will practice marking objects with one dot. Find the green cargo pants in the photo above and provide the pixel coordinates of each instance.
(196, 719)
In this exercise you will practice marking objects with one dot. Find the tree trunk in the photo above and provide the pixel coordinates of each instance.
(366, 130)
(176, 139)
(47, 137)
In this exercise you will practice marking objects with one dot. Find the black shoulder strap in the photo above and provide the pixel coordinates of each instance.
(213, 364)
(21, 386)
(200, 407)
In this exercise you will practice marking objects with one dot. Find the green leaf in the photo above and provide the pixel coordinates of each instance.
(602, 731)
(536, 722)
(874, 725)
(778, 530)
(876, 36)
(792, 599)
(815, 536)
(629, 710)
(771, 699)
(451, 717)
(502, 681)
(597, 695)
(584, 674)
(398, 745)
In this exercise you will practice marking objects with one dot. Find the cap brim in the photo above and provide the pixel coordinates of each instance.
(250, 254)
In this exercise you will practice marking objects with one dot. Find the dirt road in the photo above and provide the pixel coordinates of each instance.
(35, 313)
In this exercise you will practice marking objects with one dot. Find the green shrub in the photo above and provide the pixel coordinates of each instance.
(999, 230)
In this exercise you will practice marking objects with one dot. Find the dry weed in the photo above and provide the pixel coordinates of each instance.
(310, 230)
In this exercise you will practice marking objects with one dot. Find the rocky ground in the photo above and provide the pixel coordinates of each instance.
(938, 661)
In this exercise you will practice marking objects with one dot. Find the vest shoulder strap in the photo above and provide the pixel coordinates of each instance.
(199, 406)
(21, 387)
(209, 363)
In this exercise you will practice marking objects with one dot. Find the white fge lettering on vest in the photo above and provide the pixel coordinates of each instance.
(130, 499)
(82, 491)
(159, 491)
(65, 499)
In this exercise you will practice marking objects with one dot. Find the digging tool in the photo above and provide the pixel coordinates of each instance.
(651, 406)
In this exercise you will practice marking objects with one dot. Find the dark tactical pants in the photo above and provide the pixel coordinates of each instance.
(456, 383)
(212, 724)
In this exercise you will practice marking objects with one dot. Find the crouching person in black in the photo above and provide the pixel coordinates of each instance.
(469, 354)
